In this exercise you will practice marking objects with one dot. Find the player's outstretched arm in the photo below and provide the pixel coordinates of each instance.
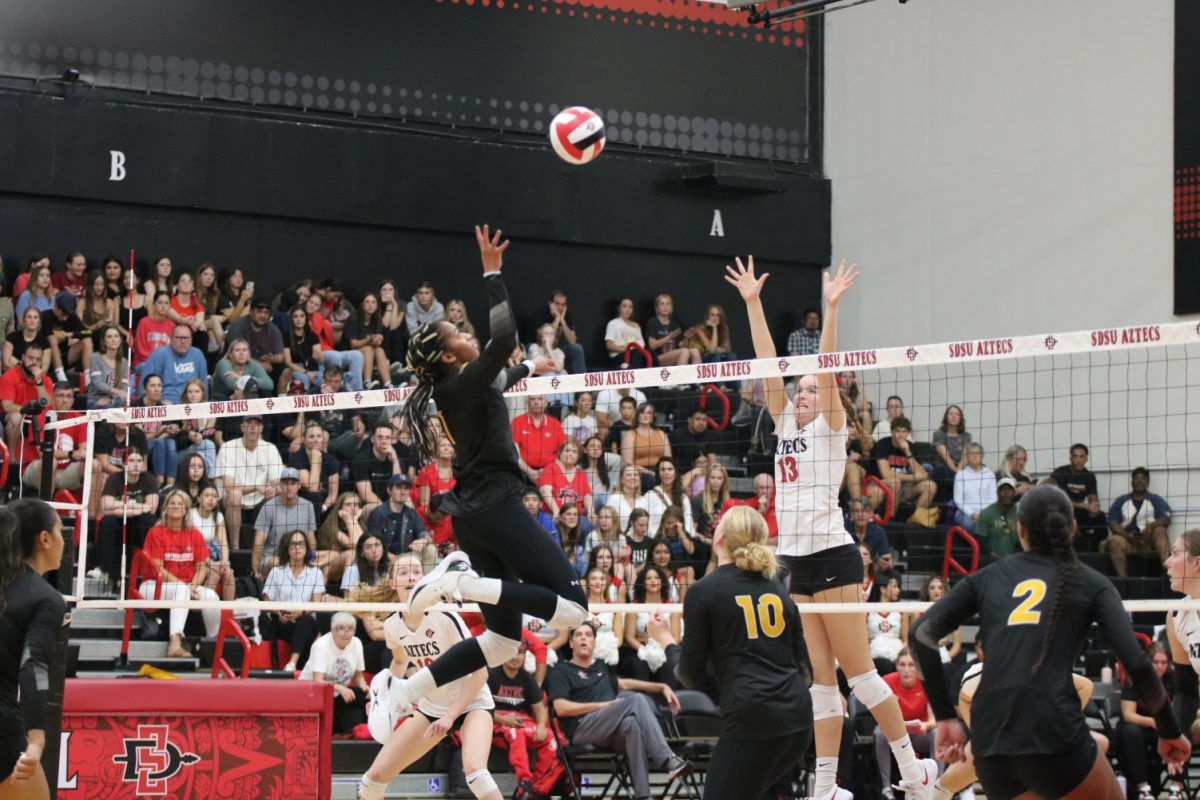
(836, 284)
(749, 286)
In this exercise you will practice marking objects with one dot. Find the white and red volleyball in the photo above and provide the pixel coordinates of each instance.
(577, 135)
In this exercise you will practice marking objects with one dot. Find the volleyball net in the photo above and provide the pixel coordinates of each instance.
(1127, 394)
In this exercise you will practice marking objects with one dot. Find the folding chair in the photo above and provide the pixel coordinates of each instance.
(692, 734)
(575, 758)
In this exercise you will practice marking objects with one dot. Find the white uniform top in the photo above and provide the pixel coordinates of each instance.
(437, 633)
(810, 463)
(1187, 631)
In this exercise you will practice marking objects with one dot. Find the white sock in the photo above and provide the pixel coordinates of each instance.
(480, 590)
(906, 759)
(60, 374)
(826, 777)
(370, 790)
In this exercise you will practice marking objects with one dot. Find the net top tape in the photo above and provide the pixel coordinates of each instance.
(970, 350)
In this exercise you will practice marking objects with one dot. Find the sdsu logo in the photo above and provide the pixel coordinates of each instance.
(151, 760)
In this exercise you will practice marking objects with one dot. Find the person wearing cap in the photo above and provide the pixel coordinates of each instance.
(177, 364)
(974, 487)
(249, 469)
(398, 524)
(69, 347)
(287, 511)
(1137, 523)
(154, 330)
(237, 376)
(996, 528)
(263, 336)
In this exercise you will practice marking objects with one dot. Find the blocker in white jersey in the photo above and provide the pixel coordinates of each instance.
(1183, 627)
(437, 633)
(809, 464)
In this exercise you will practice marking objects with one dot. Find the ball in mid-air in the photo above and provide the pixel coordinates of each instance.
(577, 135)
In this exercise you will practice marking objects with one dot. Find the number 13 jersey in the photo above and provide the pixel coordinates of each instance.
(810, 463)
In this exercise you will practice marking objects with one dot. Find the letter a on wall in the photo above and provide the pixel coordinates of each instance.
(718, 227)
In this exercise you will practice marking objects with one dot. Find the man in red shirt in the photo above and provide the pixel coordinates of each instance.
(918, 717)
(19, 386)
(764, 501)
(537, 436)
(70, 445)
(154, 331)
(74, 278)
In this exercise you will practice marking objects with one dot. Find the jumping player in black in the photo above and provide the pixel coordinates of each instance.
(1029, 735)
(494, 531)
(741, 619)
(31, 544)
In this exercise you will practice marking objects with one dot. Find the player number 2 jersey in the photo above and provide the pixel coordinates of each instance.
(809, 465)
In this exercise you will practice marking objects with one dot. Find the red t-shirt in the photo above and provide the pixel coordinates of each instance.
(538, 444)
(17, 387)
(441, 532)
(324, 331)
(428, 476)
(66, 439)
(772, 522)
(179, 551)
(150, 336)
(186, 312)
(566, 492)
(913, 703)
(62, 281)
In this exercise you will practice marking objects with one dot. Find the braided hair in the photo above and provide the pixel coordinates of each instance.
(1047, 516)
(425, 363)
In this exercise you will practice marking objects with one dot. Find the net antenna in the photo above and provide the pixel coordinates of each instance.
(761, 14)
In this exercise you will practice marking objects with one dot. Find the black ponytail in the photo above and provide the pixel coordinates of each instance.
(20, 523)
(425, 362)
(1048, 517)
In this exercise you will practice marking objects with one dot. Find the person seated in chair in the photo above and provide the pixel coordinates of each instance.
(1137, 523)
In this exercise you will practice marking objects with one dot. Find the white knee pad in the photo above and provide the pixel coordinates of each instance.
(567, 615)
(826, 702)
(481, 783)
(869, 688)
(496, 648)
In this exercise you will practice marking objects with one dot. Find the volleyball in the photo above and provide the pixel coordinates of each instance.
(577, 135)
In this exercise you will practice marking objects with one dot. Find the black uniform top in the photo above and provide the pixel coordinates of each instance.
(32, 617)
(1016, 712)
(750, 629)
(519, 693)
(472, 409)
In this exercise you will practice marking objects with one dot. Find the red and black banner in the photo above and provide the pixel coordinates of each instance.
(1187, 157)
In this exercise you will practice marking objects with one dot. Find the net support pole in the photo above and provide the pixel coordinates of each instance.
(85, 514)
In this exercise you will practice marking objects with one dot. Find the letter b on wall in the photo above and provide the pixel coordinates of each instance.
(116, 171)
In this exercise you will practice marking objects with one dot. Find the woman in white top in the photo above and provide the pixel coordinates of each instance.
(810, 460)
(294, 581)
(884, 629)
(581, 423)
(416, 640)
(669, 492)
(603, 469)
(207, 519)
(974, 487)
(547, 345)
(1183, 627)
(337, 659)
(621, 331)
(627, 495)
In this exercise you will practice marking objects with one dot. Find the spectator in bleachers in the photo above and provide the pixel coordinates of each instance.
(374, 465)
(160, 435)
(974, 487)
(128, 501)
(406, 448)
(537, 436)
(155, 329)
(369, 562)
(39, 294)
(29, 332)
(73, 278)
(108, 454)
(69, 347)
(644, 444)
(160, 279)
(595, 707)
(806, 341)
(603, 470)
(621, 332)
(456, 313)
(1137, 523)
(294, 581)
(1079, 483)
(207, 518)
(665, 335)
(617, 574)
(763, 502)
(108, 371)
(564, 483)
(337, 658)
(350, 362)
(280, 515)
(918, 718)
(933, 590)
(621, 416)
(532, 500)
(132, 305)
(883, 628)
(712, 338)
(96, 309)
(179, 552)
(858, 459)
(637, 542)
(557, 314)
(582, 422)
(364, 332)
(208, 295)
(236, 376)
(398, 524)
(302, 354)
(854, 397)
(236, 294)
(522, 722)
(339, 532)
(395, 332)
(186, 310)
(113, 271)
(669, 492)
(200, 435)
(868, 584)
(894, 408)
(696, 438)
(546, 346)
(18, 387)
(904, 475)
(440, 525)
(70, 445)
(627, 494)
(320, 471)
(263, 336)
(707, 505)
(677, 554)
(438, 475)
(865, 530)
(996, 528)
(193, 476)
(1013, 466)
(607, 530)
(1136, 731)
(177, 364)
(572, 537)
(423, 307)
(35, 263)
(248, 468)
(950, 442)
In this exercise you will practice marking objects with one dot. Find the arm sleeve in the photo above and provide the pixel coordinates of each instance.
(1114, 624)
(479, 374)
(693, 649)
(509, 377)
(946, 616)
(35, 663)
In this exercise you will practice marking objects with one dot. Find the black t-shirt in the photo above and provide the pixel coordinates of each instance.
(1015, 712)
(654, 329)
(300, 349)
(107, 443)
(366, 467)
(686, 446)
(886, 450)
(613, 442)
(329, 466)
(52, 324)
(1077, 485)
(569, 681)
(147, 484)
(758, 654)
(357, 329)
(19, 345)
(409, 455)
(639, 551)
(514, 694)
